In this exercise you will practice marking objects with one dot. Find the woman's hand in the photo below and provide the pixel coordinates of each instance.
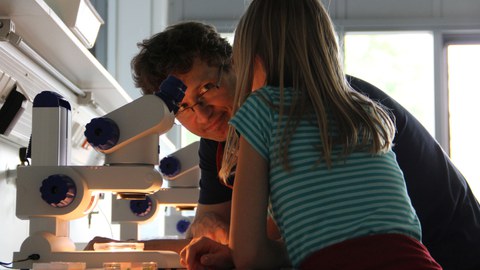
(209, 225)
(204, 253)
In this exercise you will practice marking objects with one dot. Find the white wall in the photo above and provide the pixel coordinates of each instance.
(13, 230)
(129, 22)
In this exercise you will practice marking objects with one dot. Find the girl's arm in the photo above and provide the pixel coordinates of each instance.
(251, 247)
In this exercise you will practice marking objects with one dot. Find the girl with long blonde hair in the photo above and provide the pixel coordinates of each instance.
(314, 152)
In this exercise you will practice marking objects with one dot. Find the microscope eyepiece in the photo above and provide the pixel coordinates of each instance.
(171, 91)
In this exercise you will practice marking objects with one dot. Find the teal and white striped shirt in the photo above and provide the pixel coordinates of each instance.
(314, 206)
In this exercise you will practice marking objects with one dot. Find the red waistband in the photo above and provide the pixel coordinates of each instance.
(375, 252)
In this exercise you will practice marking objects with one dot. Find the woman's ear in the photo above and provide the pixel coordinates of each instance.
(259, 74)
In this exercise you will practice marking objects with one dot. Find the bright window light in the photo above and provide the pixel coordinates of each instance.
(400, 64)
(87, 23)
(464, 94)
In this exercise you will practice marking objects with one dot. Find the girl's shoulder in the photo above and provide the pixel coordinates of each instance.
(272, 93)
(266, 90)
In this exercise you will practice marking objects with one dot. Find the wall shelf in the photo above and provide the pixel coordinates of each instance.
(46, 33)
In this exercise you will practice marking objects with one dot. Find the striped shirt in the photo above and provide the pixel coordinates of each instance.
(315, 206)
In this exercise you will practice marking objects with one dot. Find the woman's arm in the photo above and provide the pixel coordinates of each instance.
(212, 221)
(251, 247)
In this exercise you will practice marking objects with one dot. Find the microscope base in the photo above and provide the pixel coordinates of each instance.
(59, 249)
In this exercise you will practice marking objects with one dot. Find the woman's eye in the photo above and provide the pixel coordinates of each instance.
(207, 87)
(182, 106)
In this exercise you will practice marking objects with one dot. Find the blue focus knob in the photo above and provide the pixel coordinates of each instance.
(102, 133)
(58, 190)
(170, 166)
(141, 208)
(182, 225)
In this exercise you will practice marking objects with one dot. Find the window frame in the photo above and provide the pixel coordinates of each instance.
(442, 36)
(451, 38)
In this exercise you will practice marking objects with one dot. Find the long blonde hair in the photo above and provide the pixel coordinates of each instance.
(297, 43)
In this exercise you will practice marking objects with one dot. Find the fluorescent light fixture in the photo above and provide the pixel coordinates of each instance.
(81, 17)
(87, 23)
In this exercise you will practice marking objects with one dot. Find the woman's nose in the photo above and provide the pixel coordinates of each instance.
(203, 112)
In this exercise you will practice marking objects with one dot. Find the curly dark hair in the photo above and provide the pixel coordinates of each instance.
(174, 50)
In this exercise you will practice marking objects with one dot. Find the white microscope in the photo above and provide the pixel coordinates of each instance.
(182, 173)
(51, 192)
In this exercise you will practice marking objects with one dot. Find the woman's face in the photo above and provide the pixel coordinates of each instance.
(208, 102)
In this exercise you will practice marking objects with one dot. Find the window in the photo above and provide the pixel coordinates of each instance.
(464, 113)
(400, 64)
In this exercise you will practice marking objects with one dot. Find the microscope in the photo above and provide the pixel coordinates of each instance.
(51, 191)
(181, 172)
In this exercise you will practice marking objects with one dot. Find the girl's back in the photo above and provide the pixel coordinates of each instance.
(316, 206)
